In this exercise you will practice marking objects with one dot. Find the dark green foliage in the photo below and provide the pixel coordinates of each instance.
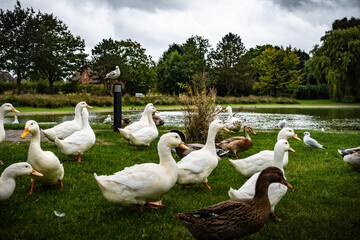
(312, 92)
(322, 205)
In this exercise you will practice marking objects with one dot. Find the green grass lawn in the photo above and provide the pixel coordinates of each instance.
(324, 203)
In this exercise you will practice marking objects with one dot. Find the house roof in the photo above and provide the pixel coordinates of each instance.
(6, 77)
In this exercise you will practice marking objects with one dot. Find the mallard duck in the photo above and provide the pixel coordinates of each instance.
(145, 135)
(158, 120)
(351, 156)
(135, 126)
(138, 184)
(78, 142)
(232, 123)
(282, 123)
(259, 161)
(5, 109)
(276, 191)
(238, 144)
(234, 218)
(45, 162)
(193, 146)
(198, 165)
(66, 128)
(7, 178)
(310, 142)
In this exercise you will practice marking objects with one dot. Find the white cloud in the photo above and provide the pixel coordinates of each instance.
(156, 24)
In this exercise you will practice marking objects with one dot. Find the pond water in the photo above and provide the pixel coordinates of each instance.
(341, 119)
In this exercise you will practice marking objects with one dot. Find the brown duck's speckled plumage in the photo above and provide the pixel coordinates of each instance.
(238, 144)
(234, 218)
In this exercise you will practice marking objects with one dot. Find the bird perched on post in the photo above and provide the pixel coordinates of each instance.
(113, 74)
(310, 142)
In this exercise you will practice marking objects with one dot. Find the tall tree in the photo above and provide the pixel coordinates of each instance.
(277, 70)
(228, 62)
(337, 62)
(16, 49)
(57, 53)
(137, 69)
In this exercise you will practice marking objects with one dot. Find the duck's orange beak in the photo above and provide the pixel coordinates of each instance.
(296, 137)
(36, 173)
(291, 150)
(25, 133)
(182, 146)
(1, 163)
(225, 129)
(252, 131)
(286, 183)
(88, 106)
(14, 110)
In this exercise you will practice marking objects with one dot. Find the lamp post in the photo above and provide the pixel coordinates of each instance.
(117, 106)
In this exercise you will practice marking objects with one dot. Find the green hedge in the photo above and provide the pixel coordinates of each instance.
(312, 92)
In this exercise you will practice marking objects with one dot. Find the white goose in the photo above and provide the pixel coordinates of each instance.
(145, 135)
(66, 128)
(198, 165)
(138, 184)
(259, 161)
(232, 123)
(275, 191)
(5, 109)
(7, 178)
(45, 162)
(78, 142)
(135, 126)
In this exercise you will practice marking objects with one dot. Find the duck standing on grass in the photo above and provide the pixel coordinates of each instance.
(311, 143)
(234, 218)
(45, 162)
(138, 184)
(135, 126)
(197, 166)
(351, 156)
(78, 142)
(67, 128)
(276, 191)
(7, 178)
(238, 144)
(5, 109)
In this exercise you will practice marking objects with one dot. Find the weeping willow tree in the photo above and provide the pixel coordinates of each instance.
(199, 108)
(337, 62)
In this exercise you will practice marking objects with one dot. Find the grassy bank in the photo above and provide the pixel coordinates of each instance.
(324, 203)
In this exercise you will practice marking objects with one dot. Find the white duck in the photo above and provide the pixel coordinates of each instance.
(45, 162)
(351, 156)
(198, 165)
(138, 184)
(259, 161)
(5, 109)
(145, 135)
(78, 142)
(7, 178)
(275, 191)
(135, 126)
(66, 128)
(16, 121)
(232, 123)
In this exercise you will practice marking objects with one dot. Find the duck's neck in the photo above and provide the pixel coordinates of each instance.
(278, 159)
(166, 159)
(144, 116)
(78, 114)
(210, 141)
(85, 123)
(246, 134)
(150, 120)
(261, 189)
(35, 140)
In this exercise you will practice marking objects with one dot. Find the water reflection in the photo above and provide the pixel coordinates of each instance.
(259, 118)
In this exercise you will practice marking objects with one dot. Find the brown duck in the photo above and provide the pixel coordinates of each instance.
(238, 144)
(234, 218)
(193, 146)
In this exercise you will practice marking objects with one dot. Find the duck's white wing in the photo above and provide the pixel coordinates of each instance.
(193, 162)
(137, 177)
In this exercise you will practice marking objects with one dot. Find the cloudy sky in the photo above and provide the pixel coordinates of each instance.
(156, 24)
